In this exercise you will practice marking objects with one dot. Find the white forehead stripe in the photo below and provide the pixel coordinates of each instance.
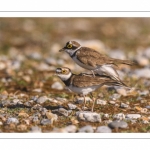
(58, 70)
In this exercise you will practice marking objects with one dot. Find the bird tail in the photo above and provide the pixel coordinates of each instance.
(126, 62)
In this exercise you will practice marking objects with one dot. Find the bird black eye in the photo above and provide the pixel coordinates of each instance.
(69, 45)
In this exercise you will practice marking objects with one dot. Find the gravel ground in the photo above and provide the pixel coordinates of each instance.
(33, 99)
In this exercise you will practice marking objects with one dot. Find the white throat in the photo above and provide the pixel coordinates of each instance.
(65, 77)
(71, 52)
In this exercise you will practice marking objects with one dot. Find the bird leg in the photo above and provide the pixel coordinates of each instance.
(93, 101)
(84, 102)
(93, 73)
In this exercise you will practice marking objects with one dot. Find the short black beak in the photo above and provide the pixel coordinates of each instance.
(61, 50)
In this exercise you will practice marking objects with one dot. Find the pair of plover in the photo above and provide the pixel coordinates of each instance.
(102, 67)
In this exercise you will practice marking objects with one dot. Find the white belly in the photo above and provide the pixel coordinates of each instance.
(84, 90)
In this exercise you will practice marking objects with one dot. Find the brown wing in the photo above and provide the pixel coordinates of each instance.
(89, 80)
(93, 58)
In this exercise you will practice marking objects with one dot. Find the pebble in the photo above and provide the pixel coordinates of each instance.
(43, 111)
(144, 93)
(61, 99)
(12, 120)
(80, 100)
(133, 116)
(23, 114)
(142, 73)
(101, 102)
(86, 129)
(115, 96)
(61, 111)
(35, 55)
(106, 116)
(70, 129)
(121, 91)
(36, 120)
(103, 129)
(88, 116)
(148, 107)
(46, 122)
(71, 106)
(57, 85)
(112, 102)
(51, 116)
(5, 103)
(51, 61)
(118, 124)
(1, 123)
(21, 127)
(146, 53)
(42, 99)
(3, 96)
(35, 129)
(119, 116)
(141, 60)
(123, 105)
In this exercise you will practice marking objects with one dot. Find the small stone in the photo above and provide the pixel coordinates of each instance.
(119, 116)
(46, 122)
(61, 111)
(142, 61)
(112, 102)
(103, 129)
(35, 129)
(123, 105)
(101, 102)
(1, 123)
(142, 73)
(35, 55)
(144, 110)
(36, 120)
(148, 107)
(146, 53)
(12, 120)
(115, 96)
(23, 114)
(86, 129)
(88, 116)
(121, 91)
(51, 116)
(106, 116)
(74, 120)
(118, 124)
(144, 93)
(80, 100)
(61, 99)
(71, 106)
(21, 127)
(57, 86)
(51, 61)
(42, 99)
(70, 129)
(5, 103)
(43, 111)
(133, 116)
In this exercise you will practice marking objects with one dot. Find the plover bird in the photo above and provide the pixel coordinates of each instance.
(91, 59)
(84, 83)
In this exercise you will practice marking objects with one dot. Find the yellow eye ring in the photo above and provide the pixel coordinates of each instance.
(69, 46)
(64, 71)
